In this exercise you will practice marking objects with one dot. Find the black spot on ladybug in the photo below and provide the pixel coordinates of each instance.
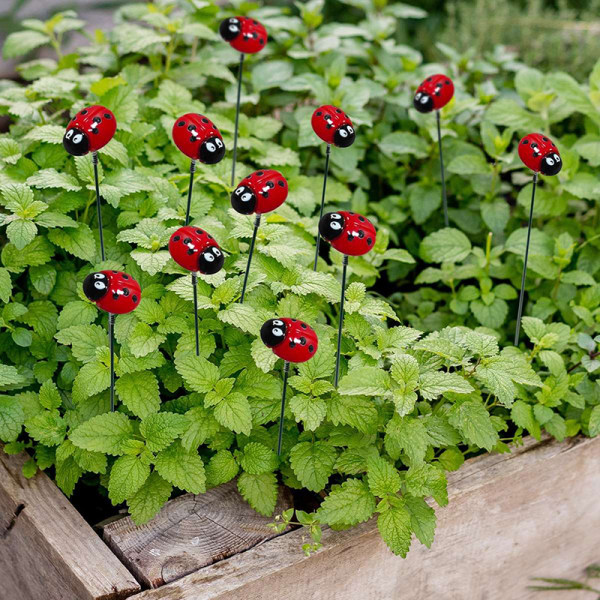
(191, 127)
(181, 124)
(186, 240)
(437, 93)
(369, 241)
(125, 291)
(125, 276)
(210, 237)
(97, 120)
(281, 183)
(319, 113)
(292, 344)
(193, 139)
(447, 82)
(134, 298)
(259, 173)
(254, 34)
(525, 142)
(255, 22)
(270, 184)
(361, 234)
(361, 219)
(199, 231)
(350, 236)
(84, 112)
(337, 110)
(545, 139)
(190, 251)
(107, 116)
(95, 130)
(429, 78)
(294, 320)
(176, 238)
(303, 325)
(115, 296)
(311, 348)
(303, 341)
(262, 42)
(350, 213)
(205, 120)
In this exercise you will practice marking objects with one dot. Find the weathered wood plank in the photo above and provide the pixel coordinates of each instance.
(47, 550)
(189, 533)
(512, 517)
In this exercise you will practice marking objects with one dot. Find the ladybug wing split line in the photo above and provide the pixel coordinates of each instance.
(116, 293)
(293, 341)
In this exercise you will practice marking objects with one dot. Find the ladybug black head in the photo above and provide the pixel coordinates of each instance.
(210, 261)
(331, 226)
(551, 164)
(76, 142)
(344, 136)
(95, 286)
(230, 29)
(423, 102)
(272, 333)
(243, 200)
(212, 150)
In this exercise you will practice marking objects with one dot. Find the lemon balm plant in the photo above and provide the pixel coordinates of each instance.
(427, 377)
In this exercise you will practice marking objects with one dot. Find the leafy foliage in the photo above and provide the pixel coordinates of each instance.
(427, 376)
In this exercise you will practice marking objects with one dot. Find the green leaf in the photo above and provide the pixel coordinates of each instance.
(383, 478)
(427, 480)
(139, 394)
(161, 429)
(47, 427)
(22, 42)
(469, 164)
(77, 241)
(21, 232)
(445, 245)
(311, 411)
(313, 463)
(522, 414)
(234, 412)
(265, 76)
(257, 458)
(84, 339)
(5, 285)
(144, 340)
(473, 421)
(221, 468)
(51, 178)
(409, 435)
(349, 504)
(394, 525)
(199, 374)
(183, 469)
(103, 433)
(594, 422)
(365, 381)
(127, 475)
(260, 491)
(12, 418)
(433, 384)
(397, 143)
(201, 426)
(49, 395)
(149, 498)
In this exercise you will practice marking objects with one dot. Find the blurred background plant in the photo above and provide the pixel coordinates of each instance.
(552, 584)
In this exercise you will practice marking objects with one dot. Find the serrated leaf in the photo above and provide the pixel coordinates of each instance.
(260, 491)
(139, 394)
(103, 433)
(183, 469)
(127, 475)
(349, 504)
(313, 464)
(149, 498)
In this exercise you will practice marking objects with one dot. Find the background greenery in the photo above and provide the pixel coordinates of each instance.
(429, 374)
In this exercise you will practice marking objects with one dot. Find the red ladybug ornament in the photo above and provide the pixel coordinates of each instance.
(196, 250)
(290, 339)
(539, 153)
(112, 291)
(198, 137)
(434, 93)
(333, 126)
(260, 192)
(244, 34)
(348, 232)
(89, 130)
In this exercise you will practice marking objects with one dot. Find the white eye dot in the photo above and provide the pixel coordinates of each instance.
(210, 147)
(246, 197)
(277, 332)
(335, 225)
(277, 322)
(69, 134)
(219, 143)
(216, 252)
(336, 216)
(350, 130)
(549, 161)
(209, 257)
(424, 100)
(418, 96)
(98, 276)
(343, 133)
(99, 285)
(77, 138)
(557, 158)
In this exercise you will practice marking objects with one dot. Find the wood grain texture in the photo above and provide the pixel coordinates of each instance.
(511, 517)
(47, 550)
(189, 533)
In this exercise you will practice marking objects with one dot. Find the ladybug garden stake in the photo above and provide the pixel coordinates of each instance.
(260, 192)
(433, 94)
(89, 131)
(333, 126)
(116, 293)
(352, 235)
(539, 153)
(198, 138)
(295, 342)
(197, 251)
(247, 36)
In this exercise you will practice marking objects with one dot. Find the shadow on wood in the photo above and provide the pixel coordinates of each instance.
(189, 533)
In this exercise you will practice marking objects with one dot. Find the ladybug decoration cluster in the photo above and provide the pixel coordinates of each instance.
(295, 342)
(335, 128)
(433, 94)
(540, 154)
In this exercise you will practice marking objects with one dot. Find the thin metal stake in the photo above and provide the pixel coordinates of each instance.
(444, 199)
(522, 294)
(190, 188)
(341, 323)
(99, 212)
(327, 153)
(237, 117)
(195, 286)
(286, 371)
(111, 342)
(251, 251)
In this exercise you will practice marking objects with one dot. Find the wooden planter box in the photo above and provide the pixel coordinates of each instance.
(511, 517)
